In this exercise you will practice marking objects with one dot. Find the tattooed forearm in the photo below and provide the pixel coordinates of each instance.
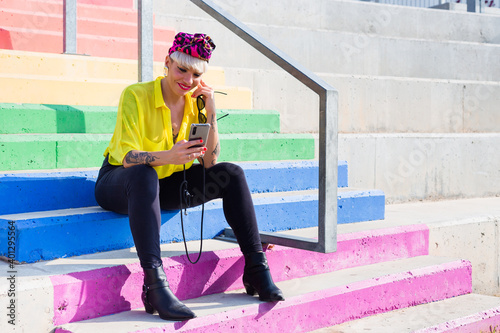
(140, 158)
(216, 151)
(213, 123)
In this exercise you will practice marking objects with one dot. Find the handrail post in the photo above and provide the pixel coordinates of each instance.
(471, 6)
(328, 169)
(69, 26)
(145, 39)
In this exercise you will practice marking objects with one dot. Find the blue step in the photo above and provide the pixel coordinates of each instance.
(63, 233)
(41, 191)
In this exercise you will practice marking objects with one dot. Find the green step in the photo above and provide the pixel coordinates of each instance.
(59, 151)
(46, 118)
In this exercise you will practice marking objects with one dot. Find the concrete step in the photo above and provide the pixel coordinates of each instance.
(312, 301)
(378, 104)
(98, 92)
(59, 151)
(460, 228)
(76, 67)
(424, 166)
(466, 313)
(365, 18)
(395, 104)
(92, 229)
(41, 190)
(89, 286)
(355, 51)
(43, 118)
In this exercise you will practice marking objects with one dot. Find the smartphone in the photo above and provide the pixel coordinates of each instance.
(199, 132)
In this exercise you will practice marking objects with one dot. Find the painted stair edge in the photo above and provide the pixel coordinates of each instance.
(41, 191)
(220, 271)
(75, 228)
(338, 304)
(483, 321)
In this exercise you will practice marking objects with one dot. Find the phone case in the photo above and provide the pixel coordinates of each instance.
(199, 132)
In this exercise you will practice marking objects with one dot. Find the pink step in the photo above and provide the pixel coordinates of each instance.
(90, 26)
(45, 41)
(482, 321)
(126, 14)
(5, 40)
(314, 302)
(99, 292)
(113, 3)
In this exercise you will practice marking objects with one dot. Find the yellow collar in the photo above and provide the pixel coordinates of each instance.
(159, 102)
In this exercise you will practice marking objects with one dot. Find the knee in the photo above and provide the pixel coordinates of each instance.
(142, 179)
(233, 171)
(227, 173)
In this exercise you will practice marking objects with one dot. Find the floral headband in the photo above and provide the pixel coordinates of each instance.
(197, 45)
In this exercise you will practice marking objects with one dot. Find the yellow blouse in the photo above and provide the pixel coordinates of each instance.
(144, 123)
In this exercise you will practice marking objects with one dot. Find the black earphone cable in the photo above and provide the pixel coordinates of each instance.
(185, 197)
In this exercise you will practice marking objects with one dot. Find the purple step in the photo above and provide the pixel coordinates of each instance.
(100, 292)
(311, 302)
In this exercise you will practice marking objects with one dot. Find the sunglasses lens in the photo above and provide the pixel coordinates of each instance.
(200, 103)
(202, 118)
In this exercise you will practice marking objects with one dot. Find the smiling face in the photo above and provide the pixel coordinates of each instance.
(181, 79)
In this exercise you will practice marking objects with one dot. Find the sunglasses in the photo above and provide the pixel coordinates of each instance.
(200, 103)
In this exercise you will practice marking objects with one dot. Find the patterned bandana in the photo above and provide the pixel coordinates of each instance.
(197, 45)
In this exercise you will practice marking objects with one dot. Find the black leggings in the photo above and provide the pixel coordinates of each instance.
(138, 192)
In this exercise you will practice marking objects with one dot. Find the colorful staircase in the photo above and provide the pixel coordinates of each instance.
(75, 267)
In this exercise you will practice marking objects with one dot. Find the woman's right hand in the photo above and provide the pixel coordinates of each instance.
(183, 152)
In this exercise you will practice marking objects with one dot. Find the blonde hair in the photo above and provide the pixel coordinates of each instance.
(187, 61)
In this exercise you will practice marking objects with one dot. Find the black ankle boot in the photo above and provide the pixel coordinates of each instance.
(156, 295)
(257, 278)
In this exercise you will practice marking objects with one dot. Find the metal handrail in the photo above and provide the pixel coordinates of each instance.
(69, 26)
(328, 134)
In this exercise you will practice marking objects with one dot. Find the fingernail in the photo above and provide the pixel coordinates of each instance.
(204, 148)
(201, 140)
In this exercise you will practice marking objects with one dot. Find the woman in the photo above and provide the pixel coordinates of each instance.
(144, 167)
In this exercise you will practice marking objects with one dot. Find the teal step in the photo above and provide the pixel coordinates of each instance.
(46, 118)
(59, 151)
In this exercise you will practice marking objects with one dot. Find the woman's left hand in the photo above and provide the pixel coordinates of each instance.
(208, 96)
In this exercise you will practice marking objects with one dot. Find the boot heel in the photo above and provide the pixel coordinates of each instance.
(148, 307)
(250, 290)
(157, 297)
(257, 278)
